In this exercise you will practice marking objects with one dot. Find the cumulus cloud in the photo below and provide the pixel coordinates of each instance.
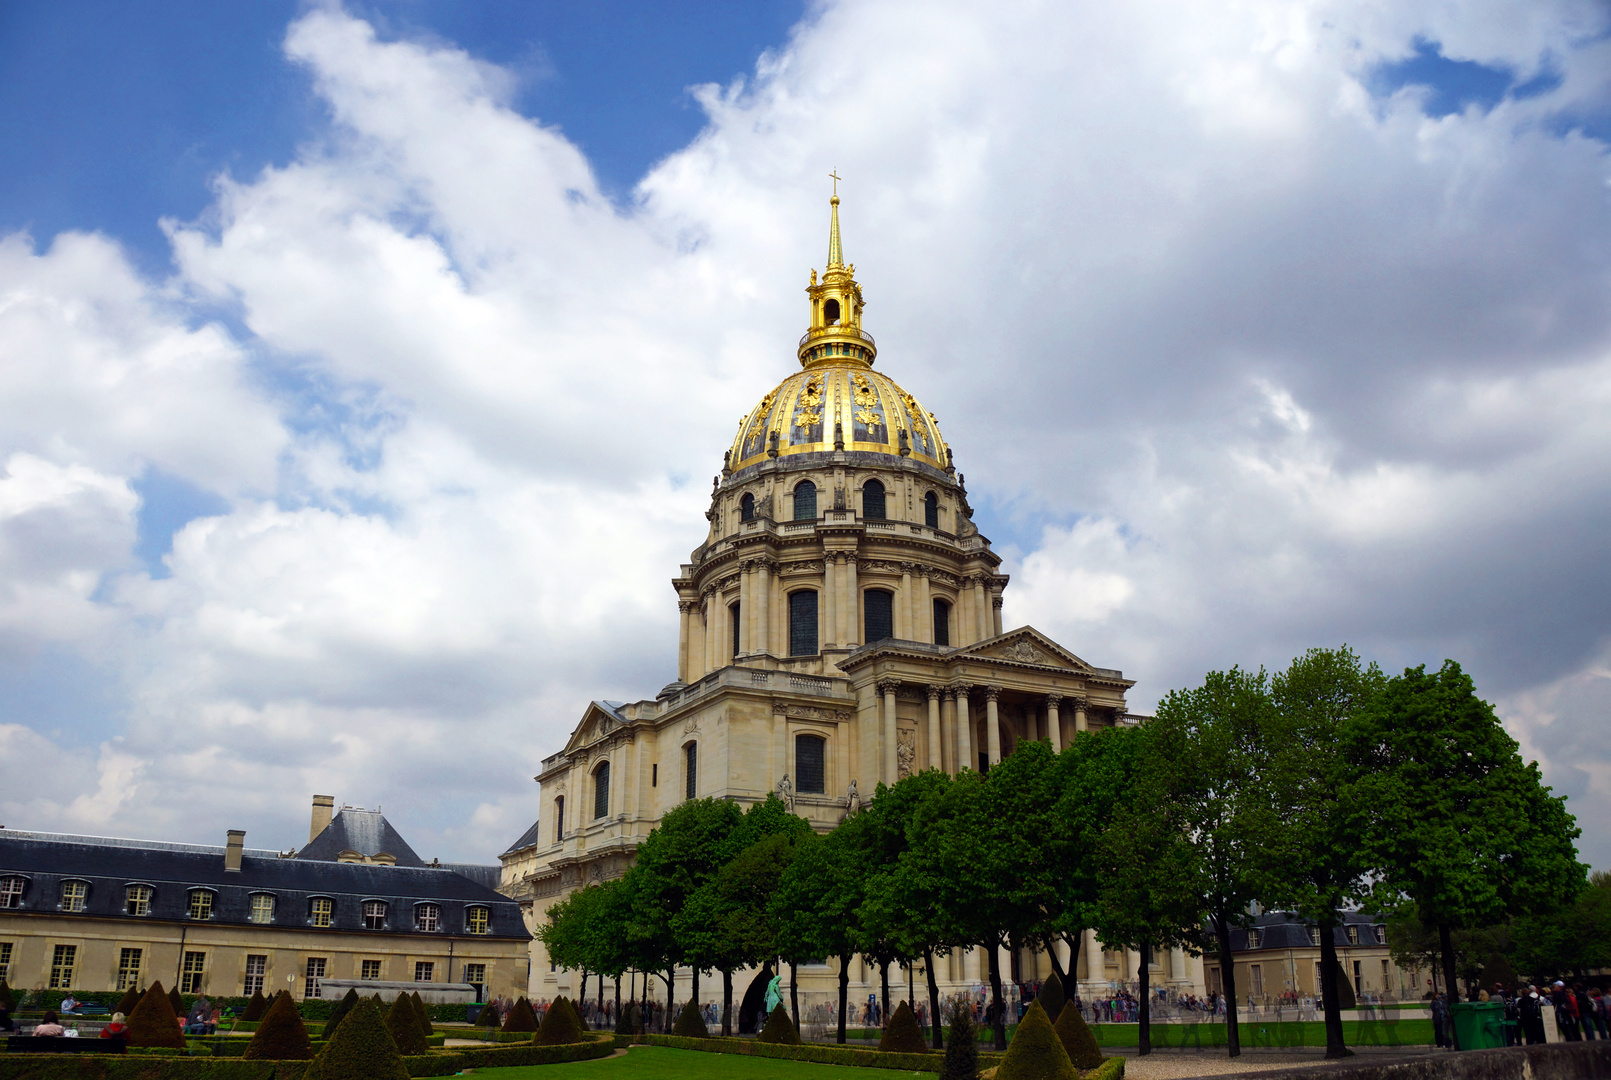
(1241, 352)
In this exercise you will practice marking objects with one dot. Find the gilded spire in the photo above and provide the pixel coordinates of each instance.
(836, 253)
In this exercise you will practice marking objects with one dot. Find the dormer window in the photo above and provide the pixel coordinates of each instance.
(74, 894)
(477, 920)
(137, 900)
(321, 911)
(1353, 935)
(1314, 935)
(201, 904)
(1381, 934)
(262, 908)
(11, 892)
(427, 917)
(1253, 938)
(374, 915)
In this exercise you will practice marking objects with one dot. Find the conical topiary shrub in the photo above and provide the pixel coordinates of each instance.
(153, 1021)
(424, 1013)
(348, 1002)
(902, 1035)
(626, 1021)
(361, 1049)
(779, 1028)
(1077, 1039)
(8, 1000)
(1036, 1053)
(256, 1007)
(1051, 997)
(488, 1017)
(281, 1036)
(581, 1015)
(961, 1043)
(691, 1023)
(522, 1017)
(560, 1024)
(176, 1001)
(404, 1024)
(125, 1004)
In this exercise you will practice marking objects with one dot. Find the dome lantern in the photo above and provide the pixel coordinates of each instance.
(835, 335)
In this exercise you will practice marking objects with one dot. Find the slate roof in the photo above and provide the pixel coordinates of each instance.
(1283, 930)
(172, 871)
(364, 831)
(527, 838)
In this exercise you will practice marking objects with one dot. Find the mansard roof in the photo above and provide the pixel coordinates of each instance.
(173, 871)
(365, 831)
(527, 838)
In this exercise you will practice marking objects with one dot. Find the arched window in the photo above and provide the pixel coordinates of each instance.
(872, 501)
(690, 757)
(805, 501)
(737, 625)
(931, 510)
(809, 777)
(559, 818)
(746, 507)
(880, 615)
(803, 623)
(942, 622)
(601, 790)
(830, 313)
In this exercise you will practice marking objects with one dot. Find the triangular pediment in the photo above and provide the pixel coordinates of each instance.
(597, 721)
(1025, 645)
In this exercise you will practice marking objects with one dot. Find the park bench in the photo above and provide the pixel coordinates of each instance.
(61, 1044)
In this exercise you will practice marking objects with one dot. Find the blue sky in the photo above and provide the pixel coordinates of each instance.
(1289, 328)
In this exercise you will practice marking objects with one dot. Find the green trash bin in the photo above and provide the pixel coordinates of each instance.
(1479, 1025)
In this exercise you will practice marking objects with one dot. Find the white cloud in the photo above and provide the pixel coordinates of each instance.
(1241, 358)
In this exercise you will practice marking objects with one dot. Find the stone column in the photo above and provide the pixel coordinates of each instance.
(854, 606)
(981, 609)
(965, 754)
(746, 611)
(992, 725)
(1178, 976)
(780, 614)
(762, 592)
(948, 734)
(995, 607)
(628, 780)
(713, 621)
(830, 602)
(1064, 955)
(1054, 723)
(886, 753)
(1095, 971)
(684, 608)
(935, 761)
(906, 630)
(1079, 715)
(925, 607)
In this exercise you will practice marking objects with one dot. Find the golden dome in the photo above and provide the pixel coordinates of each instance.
(867, 409)
(838, 402)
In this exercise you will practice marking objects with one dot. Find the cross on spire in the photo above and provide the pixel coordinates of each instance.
(835, 175)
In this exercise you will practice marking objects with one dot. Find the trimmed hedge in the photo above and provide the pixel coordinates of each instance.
(282, 1036)
(126, 1003)
(691, 1023)
(423, 1013)
(779, 1028)
(180, 1007)
(8, 999)
(153, 1021)
(362, 1049)
(560, 1025)
(903, 1036)
(522, 1017)
(404, 1024)
(256, 1007)
(1077, 1040)
(1051, 997)
(1111, 1069)
(815, 1052)
(962, 1043)
(348, 1002)
(1036, 1053)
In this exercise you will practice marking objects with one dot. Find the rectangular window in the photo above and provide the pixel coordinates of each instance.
(690, 755)
(476, 976)
(1319, 982)
(313, 977)
(256, 968)
(601, 790)
(5, 960)
(808, 764)
(262, 908)
(73, 895)
(1258, 980)
(424, 971)
(201, 905)
(62, 961)
(737, 623)
(880, 615)
(370, 969)
(426, 917)
(559, 819)
(1381, 934)
(11, 892)
(128, 968)
(1314, 935)
(654, 775)
(477, 921)
(803, 623)
(322, 910)
(942, 623)
(1359, 979)
(374, 915)
(1353, 935)
(191, 971)
(1213, 981)
(1387, 983)
(137, 900)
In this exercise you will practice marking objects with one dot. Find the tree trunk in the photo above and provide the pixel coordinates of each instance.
(581, 996)
(1051, 954)
(1144, 1029)
(727, 1002)
(601, 992)
(1071, 988)
(694, 987)
(1446, 946)
(618, 1001)
(1227, 968)
(934, 997)
(844, 992)
(671, 1000)
(883, 1003)
(997, 1006)
(1329, 974)
(794, 994)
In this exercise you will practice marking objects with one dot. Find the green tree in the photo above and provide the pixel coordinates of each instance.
(1205, 780)
(815, 905)
(1573, 939)
(1314, 863)
(1460, 828)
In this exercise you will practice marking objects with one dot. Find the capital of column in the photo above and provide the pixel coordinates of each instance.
(909, 568)
(961, 690)
(888, 686)
(950, 693)
(1054, 700)
(687, 607)
(934, 691)
(995, 602)
(992, 693)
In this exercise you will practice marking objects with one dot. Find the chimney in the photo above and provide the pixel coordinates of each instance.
(324, 808)
(232, 850)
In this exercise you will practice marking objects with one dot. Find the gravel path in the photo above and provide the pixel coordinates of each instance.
(1177, 1065)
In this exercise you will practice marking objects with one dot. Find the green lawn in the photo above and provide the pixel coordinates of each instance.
(664, 1063)
(1272, 1033)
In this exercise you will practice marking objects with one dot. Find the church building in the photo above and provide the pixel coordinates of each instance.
(839, 626)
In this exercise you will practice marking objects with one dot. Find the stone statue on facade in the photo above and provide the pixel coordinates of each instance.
(905, 754)
(786, 793)
(852, 800)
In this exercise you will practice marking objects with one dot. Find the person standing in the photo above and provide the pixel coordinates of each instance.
(1512, 1014)
(1566, 1017)
(1598, 1004)
(1585, 1011)
(1440, 1023)
(1530, 1005)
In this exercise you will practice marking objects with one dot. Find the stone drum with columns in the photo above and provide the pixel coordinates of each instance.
(840, 626)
